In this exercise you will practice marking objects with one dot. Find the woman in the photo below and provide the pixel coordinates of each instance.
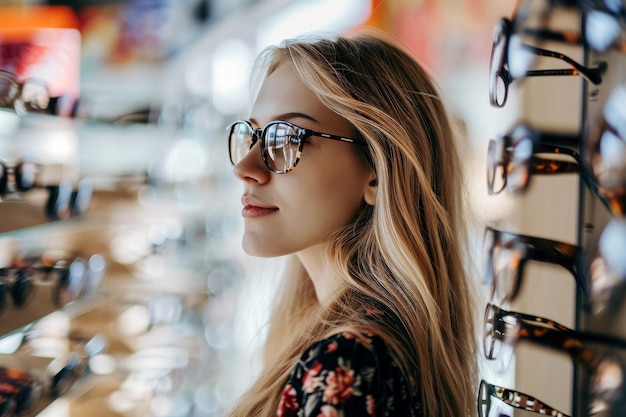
(349, 165)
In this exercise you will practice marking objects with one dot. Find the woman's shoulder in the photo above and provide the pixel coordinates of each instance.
(350, 370)
(353, 341)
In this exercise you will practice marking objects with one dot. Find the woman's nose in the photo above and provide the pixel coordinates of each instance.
(251, 167)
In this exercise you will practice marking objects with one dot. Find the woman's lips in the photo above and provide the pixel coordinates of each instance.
(251, 212)
(253, 207)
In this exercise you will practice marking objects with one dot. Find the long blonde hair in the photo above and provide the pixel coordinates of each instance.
(404, 254)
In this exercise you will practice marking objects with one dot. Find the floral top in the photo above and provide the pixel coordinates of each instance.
(347, 375)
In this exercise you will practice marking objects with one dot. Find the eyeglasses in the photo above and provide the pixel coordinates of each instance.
(604, 152)
(16, 178)
(506, 255)
(513, 398)
(511, 160)
(72, 278)
(20, 392)
(607, 370)
(77, 363)
(18, 284)
(603, 22)
(508, 49)
(63, 200)
(506, 327)
(31, 95)
(281, 143)
(607, 272)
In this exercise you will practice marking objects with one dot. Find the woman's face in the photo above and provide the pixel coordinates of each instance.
(288, 213)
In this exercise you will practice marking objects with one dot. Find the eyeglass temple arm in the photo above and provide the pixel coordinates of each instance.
(551, 35)
(591, 74)
(554, 335)
(555, 252)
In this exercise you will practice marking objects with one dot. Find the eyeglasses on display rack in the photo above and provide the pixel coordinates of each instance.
(513, 398)
(281, 143)
(508, 327)
(62, 199)
(604, 151)
(511, 158)
(506, 255)
(604, 23)
(72, 278)
(17, 286)
(593, 351)
(607, 272)
(510, 60)
(77, 362)
(29, 96)
(20, 392)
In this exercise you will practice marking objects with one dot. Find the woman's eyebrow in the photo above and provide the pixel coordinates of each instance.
(286, 117)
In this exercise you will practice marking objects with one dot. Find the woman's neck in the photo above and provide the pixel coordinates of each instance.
(315, 262)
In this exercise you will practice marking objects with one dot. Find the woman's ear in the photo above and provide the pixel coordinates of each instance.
(371, 190)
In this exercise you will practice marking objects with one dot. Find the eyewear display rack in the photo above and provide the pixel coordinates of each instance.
(600, 388)
(106, 312)
(554, 331)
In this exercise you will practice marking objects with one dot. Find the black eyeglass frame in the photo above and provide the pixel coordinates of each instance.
(259, 135)
(498, 71)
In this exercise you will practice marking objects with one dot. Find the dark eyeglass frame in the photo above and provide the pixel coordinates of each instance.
(513, 398)
(499, 71)
(259, 135)
(500, 156)
(616, 11)
(531, 249)
(544, 332)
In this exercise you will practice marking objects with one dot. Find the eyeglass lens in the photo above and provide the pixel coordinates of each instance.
(497, 83)
(503, 264)
(509, 164)
(280, 144)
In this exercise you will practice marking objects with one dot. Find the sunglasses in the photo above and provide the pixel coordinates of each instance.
(510, 59)
(511, 158)
(513, 398)
(506, 255)
(29, 96)
(281, 143)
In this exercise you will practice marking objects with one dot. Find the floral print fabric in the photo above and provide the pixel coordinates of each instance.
(347, 375)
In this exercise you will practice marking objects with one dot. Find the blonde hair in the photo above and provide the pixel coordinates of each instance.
(403, 255)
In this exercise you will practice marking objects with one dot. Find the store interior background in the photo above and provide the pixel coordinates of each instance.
(165, 208)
